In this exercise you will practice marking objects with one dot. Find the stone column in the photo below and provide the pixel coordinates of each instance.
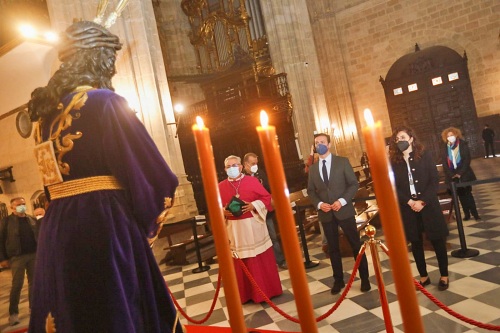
(141, 79)
(293, 51)
(347, 135)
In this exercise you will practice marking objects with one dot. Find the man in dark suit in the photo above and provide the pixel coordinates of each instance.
(332, 185)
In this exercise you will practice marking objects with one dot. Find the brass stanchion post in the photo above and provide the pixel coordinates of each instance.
(370, 231)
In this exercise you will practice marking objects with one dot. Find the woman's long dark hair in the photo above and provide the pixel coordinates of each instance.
(93, 67)
(396, 155)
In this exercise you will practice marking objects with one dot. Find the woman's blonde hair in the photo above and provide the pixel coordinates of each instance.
(454, 130)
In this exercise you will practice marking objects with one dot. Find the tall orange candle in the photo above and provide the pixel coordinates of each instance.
(286, 222)
(212, 197)
(391, 223)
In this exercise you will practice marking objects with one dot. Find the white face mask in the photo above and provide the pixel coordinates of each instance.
(233, 172)
(21, 209)
(452, 139)
(254, 168)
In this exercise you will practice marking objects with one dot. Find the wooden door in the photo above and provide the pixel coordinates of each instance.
(430, 90)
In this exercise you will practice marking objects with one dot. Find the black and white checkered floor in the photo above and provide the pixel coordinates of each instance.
(474, 283)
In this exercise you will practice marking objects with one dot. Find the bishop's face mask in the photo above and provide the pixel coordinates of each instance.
(321, 149)
(233, 172)
(403, 145)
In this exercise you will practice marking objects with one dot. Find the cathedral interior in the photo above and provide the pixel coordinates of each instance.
(313, 65)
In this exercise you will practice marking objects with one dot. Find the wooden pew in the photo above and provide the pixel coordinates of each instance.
(366, 213)
(182, 246)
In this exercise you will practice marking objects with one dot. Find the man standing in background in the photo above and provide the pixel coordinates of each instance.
(488, 137)
(250, 165)
(18, 241)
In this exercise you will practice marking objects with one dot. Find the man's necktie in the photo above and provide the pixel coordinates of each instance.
(325, 173)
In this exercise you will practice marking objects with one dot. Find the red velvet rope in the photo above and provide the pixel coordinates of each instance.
(339, 301)
(453, 313)
(184, 314)
(447, 309)
(320, 318)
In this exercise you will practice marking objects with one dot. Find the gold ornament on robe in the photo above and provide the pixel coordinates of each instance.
(162, 218)
(50, 325)
(47, 163)
(49, 154)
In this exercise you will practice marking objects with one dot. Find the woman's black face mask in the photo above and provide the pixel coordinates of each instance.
(403, 145)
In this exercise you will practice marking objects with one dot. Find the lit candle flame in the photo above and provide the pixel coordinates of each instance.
(200, 123)
(368, 117)
(264, 119)
(27, 31)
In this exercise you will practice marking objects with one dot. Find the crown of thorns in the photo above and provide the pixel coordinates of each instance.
(88, 35)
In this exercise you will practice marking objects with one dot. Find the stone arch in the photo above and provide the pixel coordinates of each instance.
(38, 199)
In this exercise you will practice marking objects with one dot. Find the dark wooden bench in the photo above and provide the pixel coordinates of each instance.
(366, 213)
(445, 198)
(182, 251)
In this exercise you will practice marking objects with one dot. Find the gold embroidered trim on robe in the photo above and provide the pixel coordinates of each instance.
(65, 144)
(50, 326)
(83, 185)
(47, 163)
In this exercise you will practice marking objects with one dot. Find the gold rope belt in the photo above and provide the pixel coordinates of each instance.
(83, 185)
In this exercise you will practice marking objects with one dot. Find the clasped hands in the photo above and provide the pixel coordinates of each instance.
(416, 205)
(328, 207)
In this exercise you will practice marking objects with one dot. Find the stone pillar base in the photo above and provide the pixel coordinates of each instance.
(184, 203)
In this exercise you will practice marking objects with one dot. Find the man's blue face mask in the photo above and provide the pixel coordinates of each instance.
(321, 149)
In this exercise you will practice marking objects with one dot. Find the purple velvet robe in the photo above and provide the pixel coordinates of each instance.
(95, 271)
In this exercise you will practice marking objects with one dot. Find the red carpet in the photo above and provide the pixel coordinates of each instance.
(212, 329)
(196, 329)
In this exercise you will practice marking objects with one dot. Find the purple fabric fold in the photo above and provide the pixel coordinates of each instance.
(95, 271)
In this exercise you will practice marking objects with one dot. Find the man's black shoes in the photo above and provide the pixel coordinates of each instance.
(365, 285)
(337, 287)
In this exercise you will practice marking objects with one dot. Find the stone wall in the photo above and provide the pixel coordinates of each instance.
(141, 79)
(369, 36)
(18, 152)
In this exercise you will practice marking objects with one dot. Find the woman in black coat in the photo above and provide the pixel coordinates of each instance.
(456, 165)
(416, 179)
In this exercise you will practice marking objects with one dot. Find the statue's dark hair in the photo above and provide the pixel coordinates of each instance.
(395, 155)
(93, 67)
